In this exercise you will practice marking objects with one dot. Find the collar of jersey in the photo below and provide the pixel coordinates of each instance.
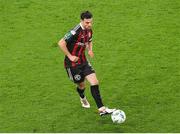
(81, 26)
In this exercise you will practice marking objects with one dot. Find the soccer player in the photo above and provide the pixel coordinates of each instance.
(74, 44)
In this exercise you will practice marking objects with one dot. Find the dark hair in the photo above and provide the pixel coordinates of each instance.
(86, 15)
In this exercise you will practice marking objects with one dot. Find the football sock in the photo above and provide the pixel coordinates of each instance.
(96, 95)
(81, 92)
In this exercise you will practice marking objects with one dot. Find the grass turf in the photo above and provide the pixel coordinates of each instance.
(137, 61)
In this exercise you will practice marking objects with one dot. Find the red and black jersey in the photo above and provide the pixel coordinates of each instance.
(77, 39)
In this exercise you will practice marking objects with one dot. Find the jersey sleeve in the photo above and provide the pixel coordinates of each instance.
(70, 36)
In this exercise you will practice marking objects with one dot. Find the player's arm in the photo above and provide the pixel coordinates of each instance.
(89, 48)
(62, 44)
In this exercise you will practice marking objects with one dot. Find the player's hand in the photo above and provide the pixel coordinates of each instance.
(90, 53)
(73, 58)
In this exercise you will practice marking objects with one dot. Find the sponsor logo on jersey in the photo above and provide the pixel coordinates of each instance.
(82, 44)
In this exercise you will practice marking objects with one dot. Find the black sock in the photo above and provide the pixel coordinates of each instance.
(81, 92)
(96, 95)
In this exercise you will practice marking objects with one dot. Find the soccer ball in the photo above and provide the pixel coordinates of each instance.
(118, 116)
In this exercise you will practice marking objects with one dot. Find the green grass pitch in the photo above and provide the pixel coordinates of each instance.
(137, 61)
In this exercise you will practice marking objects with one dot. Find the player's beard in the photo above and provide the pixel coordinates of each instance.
(88, 28)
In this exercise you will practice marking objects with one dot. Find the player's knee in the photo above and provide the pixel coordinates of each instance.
(94, 82)
(81, 85)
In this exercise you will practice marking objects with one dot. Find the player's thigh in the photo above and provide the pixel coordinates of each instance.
(92, 79)
(75, 74)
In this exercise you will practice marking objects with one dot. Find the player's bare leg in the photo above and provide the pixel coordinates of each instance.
(81, 85)
(92, 79)
(80, 90)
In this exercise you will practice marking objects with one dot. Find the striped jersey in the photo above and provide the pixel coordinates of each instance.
(77, 39)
